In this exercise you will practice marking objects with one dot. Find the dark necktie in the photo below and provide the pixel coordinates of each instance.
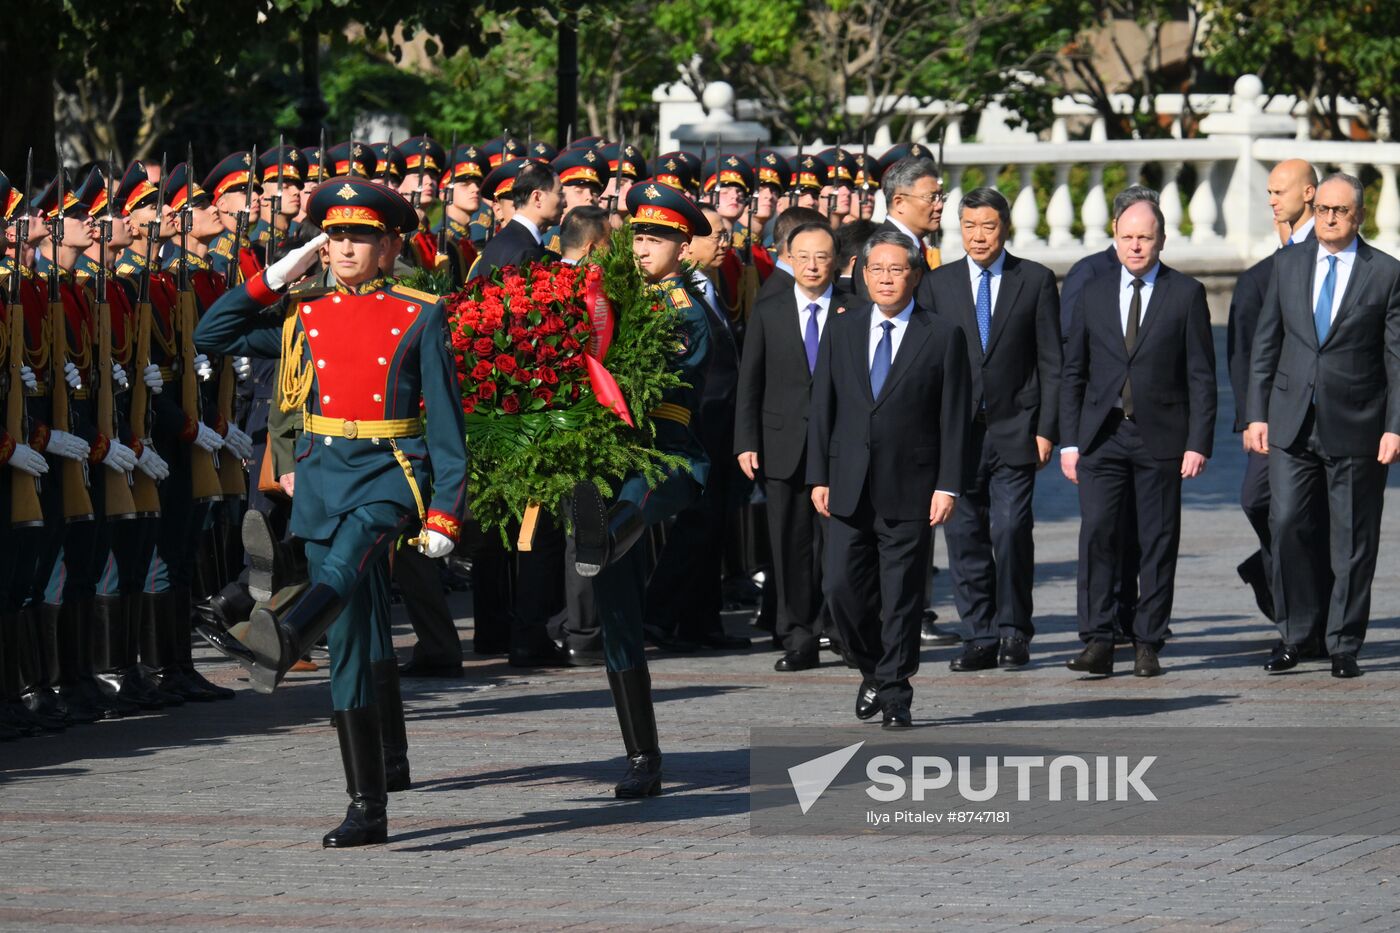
(884, 356)
(1130, 335)
(811, 336)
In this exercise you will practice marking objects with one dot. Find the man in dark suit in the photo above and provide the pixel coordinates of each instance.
(1009, 312)
(770, 434)
(1080, 274)
(913, 207)
(1137, 400)
(1292, 185)
(1324, 405)
(886, 455)
(538, 198)
(779, 281)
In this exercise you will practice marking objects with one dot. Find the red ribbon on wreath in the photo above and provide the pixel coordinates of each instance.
(600, 314)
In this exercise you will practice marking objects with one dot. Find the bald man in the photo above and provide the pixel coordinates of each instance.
(1292, 186)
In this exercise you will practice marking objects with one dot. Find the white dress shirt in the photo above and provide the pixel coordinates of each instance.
(528, 224)
(1346, 259)
(823, 306)
(901, 324)
(975, 273)
(1302, 232)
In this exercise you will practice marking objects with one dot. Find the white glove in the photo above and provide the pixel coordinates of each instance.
(151, 463)
(120, 458)
(26, 376)
(242, 368)
(295, 264)
(202, 367)
(238, 443)
(151, 376)
(208, 439)
(28, 460)
(72, 376)
(63, 444)
(434, 544)
(119, 377)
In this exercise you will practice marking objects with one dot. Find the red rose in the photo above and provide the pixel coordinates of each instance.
(547, 375)
(468, 405)
(481, 370)
(487, 390)
(483, 345)
(510, 405)
(544, 393)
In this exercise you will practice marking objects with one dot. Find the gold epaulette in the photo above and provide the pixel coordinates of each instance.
(428, 297)
(679, 297)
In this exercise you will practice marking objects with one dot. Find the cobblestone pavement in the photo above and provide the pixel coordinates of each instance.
(209, 818)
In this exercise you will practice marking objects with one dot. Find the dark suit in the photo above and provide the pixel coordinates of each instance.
(774, 401)
(779, 281)
(1172, 370)
(1015, 398)
(513, 245)
(883, 458)
(1080, 274)
(1327, 406)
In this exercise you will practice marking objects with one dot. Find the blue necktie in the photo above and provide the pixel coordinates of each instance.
(984, 307)
(884, 355)
(1322, 314)
(811, 336)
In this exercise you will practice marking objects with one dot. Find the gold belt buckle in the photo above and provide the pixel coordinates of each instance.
(351, 429)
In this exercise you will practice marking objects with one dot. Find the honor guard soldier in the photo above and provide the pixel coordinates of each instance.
(679, 170)
(588, 142)
(389, 164)
(809, 179)
(502, 149)
(626, 167)
(867, 182)
(352, 158)
(365, 362)
(317, 171)
(663, 221)
(728, 183)
(281, 172)
(462, 202)
(228, 186)
(424, 162)
(584, 175)
(840, 184)
(541, 151)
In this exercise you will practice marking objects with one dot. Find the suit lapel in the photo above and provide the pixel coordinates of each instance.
(1006, 299)
(1303, 285)
(915, 334)
(1110, 318)
(1154, 307)
(1360, 271)
(789, 339)
(967, 307)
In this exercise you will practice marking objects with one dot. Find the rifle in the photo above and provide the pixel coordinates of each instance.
(448, 195)
(864, 174)
(232, 481)
(204, 464)
(753, 207)
(144, 489)
(831, 198)
(416, 197)
(323, 171)
(25, 509)
(77, 504)
(119, 502)
(276, 207)
(796, 188)
(240, 227)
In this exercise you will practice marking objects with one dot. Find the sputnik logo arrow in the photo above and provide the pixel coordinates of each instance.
(811, 778)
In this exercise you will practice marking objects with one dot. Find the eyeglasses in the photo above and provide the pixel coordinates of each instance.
(894, 272)
(935, 198)
(1339, 211)
(802, 259)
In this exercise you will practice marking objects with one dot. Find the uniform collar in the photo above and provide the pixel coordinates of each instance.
(378, 283)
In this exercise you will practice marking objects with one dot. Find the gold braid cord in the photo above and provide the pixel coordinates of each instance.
(294, 377)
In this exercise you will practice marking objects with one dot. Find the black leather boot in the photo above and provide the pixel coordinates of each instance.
(361, 750)
(226, 608)
(183, 608)
(284, 630)
(126, 676)
(111, 666)
(168, 674)
(272, 564)
(392, 730)
(94, 652)
(602, 533)
(631, 692)
(11, 693)
(154, 663)
(28, 664)
(57, 636)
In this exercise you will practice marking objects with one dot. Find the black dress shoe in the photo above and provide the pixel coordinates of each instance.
(546, 655)
(897, 717)
(585, 657)
(1015, 653)
(1284, 658)
(1344, 665)
(667, 641)
(1145, 664)
(1096, 658)
(423, 669)
(721, 641)
(867, 701)
(796, 661)
(1252, 573)
(975, 657)
(489, 649)
(931, 634)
